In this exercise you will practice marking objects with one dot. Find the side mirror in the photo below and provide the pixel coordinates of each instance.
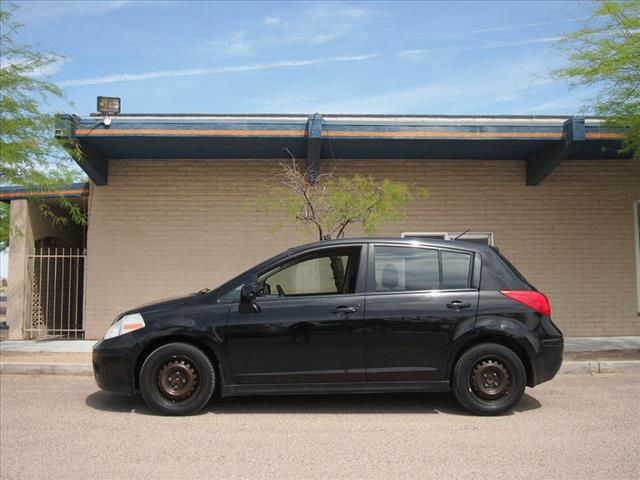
(250, 291)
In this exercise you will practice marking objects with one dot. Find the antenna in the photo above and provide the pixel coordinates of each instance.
(466, 231)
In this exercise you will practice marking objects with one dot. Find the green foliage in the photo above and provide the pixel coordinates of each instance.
(31, 156)
(329, 203)
(4, 225)
(365, 200)
(605, 54)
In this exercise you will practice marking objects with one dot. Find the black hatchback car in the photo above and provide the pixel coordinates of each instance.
(343, 316)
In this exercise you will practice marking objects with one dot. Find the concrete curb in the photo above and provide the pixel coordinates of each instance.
(591, 368)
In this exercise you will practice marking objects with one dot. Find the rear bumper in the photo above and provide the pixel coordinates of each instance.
(548, 361)
(114, 364)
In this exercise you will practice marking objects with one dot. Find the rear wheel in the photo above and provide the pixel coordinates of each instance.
(177, 379)
(489, 379)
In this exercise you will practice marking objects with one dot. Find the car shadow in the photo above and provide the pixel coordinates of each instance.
(405, 403)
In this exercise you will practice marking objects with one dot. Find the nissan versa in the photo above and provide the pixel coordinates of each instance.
(350, 315)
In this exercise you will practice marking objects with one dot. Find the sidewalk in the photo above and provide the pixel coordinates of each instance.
(58, 346)
(590, 355)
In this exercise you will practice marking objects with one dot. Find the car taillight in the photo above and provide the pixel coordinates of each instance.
(536, 300)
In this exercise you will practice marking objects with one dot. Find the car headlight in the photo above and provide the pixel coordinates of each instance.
(126, 324)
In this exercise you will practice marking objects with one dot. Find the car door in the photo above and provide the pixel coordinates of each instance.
(307, 323)
(417, 299)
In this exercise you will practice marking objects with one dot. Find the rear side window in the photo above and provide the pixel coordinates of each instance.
(400, 269)
(456, 268)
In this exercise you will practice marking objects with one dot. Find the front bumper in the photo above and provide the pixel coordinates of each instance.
(548, 361)
(114, 363)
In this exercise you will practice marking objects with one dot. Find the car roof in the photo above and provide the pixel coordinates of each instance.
(456, 244)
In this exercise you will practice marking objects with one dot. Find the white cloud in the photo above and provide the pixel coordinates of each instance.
(325, 37)
(412, 55)
(272, 20)
(520, 26)
(568, 104)
(47, 70)
(335, 11)
(318, 24)
(50, 69)
(415, 53)
(134, 77)
(354, 12)
(35, 9)
(493, 85)
(237, 45)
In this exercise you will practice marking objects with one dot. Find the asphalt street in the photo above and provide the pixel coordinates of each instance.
(575, 427)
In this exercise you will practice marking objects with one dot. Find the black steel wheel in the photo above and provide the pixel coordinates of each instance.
(177, 379)
(489, 379)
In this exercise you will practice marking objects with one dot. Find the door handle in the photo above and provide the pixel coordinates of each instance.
(345, 309)
(458, 305)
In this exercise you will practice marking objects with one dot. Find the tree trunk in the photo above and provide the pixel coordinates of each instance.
(337, 268)
(338, 272)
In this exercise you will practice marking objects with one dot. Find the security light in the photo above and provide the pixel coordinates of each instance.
(109, 105)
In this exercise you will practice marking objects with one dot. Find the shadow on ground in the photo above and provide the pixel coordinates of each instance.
(418, 403)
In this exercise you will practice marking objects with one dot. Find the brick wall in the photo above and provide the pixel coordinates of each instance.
(164, 228)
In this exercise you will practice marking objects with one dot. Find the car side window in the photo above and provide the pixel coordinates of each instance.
(329, 272)
(456, 268)
(400, 269)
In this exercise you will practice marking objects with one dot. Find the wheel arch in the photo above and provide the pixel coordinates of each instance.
(507, 341)
(179, 338)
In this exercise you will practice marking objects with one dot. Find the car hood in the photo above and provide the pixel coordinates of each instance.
(162, 305)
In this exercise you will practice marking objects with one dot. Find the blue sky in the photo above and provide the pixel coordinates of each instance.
(286, 57)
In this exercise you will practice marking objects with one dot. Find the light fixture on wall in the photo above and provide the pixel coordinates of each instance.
(108, 106)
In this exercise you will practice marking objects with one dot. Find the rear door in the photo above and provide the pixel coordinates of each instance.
(417, 299)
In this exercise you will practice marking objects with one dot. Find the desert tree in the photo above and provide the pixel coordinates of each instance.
(605, 55)
(31, 156)
(329, 203)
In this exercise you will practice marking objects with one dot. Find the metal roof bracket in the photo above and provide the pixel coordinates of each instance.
(542, 162)
(314, 145)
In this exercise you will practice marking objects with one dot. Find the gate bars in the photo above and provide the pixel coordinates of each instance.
(54, 293)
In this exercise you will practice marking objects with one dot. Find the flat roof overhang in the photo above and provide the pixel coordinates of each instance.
(543, 142)
(7, 194)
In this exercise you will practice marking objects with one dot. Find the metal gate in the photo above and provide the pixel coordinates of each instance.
(55, 293)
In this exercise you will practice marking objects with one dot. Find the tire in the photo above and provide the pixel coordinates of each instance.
(489, 379)
(177, 379)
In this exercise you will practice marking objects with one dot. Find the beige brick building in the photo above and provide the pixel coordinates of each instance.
(173, 216)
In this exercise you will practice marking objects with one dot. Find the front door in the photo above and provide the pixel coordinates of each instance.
(307, 324)
(417, 298)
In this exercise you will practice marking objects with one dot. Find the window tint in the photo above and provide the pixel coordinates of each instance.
(332, 272)
(426, 236)
(405, 268)
(455, 269)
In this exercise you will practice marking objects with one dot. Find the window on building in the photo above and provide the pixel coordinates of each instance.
(485, 238)
(400, 269)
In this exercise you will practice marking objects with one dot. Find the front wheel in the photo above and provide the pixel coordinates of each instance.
(489, 379)
(177, 379)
